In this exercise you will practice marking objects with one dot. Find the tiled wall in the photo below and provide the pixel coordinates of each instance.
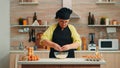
(46, 12)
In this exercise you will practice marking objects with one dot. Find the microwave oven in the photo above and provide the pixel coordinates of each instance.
(108, 44)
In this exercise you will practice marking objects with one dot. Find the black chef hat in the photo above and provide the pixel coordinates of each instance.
(63, 13)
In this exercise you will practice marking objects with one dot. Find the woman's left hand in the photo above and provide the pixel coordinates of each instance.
(65, 47)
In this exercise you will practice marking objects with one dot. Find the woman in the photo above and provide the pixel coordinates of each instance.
(61, 36)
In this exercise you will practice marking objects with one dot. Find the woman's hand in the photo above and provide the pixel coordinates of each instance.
(57, 47)
(51, 44)
(65, 47)
(70, 46)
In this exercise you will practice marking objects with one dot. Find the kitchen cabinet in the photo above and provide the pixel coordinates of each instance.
(110, 60)
(117, 60)
(13, 61)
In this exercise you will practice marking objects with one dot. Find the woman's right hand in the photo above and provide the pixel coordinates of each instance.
(52, 44)
(57, 47)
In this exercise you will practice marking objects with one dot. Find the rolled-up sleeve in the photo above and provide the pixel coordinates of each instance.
(47, 35)
(75, 36)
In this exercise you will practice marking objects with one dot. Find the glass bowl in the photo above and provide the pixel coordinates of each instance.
(61, 55)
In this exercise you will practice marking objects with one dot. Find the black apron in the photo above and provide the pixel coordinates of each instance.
(62, 37)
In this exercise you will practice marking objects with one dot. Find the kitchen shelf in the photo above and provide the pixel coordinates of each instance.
(29, 26)
(104, 25)
(25, 3)
(105, 3)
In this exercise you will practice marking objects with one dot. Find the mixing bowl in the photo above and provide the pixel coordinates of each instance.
(61, 55)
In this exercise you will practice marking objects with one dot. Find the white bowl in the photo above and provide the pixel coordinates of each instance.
(61, 55)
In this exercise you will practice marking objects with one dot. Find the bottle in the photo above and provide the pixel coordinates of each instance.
(25, 50)
(20, 20)
(21, 46)
(34, 17)
(102, 21)
(89, 18)
(92, 20)
(109, 0)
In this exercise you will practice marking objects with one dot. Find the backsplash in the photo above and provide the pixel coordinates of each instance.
(46, 9)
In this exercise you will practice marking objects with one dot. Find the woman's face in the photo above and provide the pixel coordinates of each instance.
(63, 23)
